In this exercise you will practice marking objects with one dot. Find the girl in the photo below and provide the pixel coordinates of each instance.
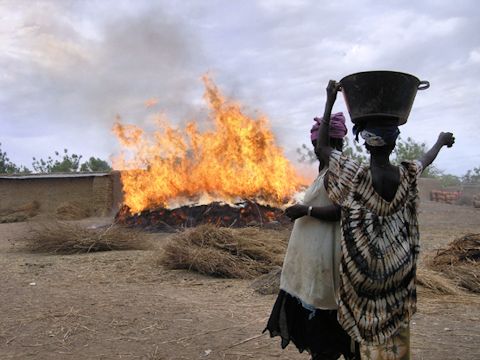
(305, 310)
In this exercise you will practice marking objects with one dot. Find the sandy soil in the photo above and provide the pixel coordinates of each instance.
(122, 305)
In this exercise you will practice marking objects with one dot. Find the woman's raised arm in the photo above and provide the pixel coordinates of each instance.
(444, 139)
(323, 144)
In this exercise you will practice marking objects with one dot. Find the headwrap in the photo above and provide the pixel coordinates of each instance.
(337, 130)
(377, 136)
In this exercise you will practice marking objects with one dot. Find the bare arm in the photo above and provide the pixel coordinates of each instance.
(326, 213)
(444, 139)
(323, 143)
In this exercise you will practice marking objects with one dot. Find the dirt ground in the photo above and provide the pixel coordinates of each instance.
(122, 305)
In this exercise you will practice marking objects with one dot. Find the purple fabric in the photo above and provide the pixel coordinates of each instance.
(338, 129)
(314, 129)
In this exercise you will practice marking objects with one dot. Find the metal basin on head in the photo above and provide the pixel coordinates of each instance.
(380, 94)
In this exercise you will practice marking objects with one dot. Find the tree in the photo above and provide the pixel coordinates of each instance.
(356, 152)
(8, 167)
(67, 163)
(472, 176)
(306, 154)
(411, 150)
(95, 164)
(404, 150)
(449, 180)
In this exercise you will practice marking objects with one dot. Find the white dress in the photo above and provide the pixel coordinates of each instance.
(311, 266)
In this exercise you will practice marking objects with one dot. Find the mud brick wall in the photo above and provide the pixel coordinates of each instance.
(468, 192)
(102, 199)
(425, 186)
(48, 192)
(117, 191)
(93, 193)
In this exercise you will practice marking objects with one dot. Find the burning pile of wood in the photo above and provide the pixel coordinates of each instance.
(243, 214)
(235, 157)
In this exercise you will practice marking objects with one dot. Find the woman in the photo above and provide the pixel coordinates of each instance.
(305, 309)
(379, 245)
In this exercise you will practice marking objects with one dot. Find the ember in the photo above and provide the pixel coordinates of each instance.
(247, 213)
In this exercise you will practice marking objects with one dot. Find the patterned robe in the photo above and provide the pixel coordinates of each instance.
(379, 250)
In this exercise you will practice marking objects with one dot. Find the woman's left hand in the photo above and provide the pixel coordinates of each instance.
(296, 211)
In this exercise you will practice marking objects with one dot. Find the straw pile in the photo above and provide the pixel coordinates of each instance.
(436, 282)
(68, 238)
(460, 261)
(71, 211)
(268, 284)
(476, 201)
(20, 213)
(430, 280)
(224, 252)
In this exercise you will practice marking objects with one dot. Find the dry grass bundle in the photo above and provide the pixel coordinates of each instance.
(20, 213)
(224, 252)
(435, 282)
(71, 211)
(462, 250)
(13, 218)
(466, 276)
(68, 238)
(460, 261)
(268, 284)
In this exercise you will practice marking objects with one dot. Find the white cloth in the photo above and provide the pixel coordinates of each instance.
(311, 266)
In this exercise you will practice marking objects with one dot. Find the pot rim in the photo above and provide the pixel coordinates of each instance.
(380, 71)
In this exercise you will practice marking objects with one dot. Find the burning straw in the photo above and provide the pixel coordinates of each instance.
(460, 261)
(68, 238)
(224, 252)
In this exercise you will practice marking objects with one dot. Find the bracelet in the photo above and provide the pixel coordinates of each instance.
(309, 211)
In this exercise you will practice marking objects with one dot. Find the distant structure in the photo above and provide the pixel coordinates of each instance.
(61, 195)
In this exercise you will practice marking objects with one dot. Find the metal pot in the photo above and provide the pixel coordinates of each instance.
(380, 94)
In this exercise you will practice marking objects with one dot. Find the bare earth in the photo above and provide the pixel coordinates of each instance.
(122, 305)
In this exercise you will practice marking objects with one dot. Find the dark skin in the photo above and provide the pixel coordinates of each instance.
(385, 176)
(325, 213)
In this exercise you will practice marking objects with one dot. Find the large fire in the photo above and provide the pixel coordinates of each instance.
(236, 159)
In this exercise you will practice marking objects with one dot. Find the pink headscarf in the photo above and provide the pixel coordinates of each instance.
(338, 130)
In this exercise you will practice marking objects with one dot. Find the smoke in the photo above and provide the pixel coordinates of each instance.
(70, 67)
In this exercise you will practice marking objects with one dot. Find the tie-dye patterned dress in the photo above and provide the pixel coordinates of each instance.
(379, 251)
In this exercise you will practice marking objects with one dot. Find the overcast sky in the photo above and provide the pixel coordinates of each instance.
(68, 67)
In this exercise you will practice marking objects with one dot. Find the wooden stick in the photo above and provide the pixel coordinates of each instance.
(244, 341)
(213, 331)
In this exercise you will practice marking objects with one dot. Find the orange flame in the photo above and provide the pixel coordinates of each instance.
(237, 159)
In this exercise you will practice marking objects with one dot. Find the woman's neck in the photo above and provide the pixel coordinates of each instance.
(380, 160)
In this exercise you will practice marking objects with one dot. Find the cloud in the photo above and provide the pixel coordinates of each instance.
(305, 44)
(68, 67)
(67, 76)
(474, 56)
